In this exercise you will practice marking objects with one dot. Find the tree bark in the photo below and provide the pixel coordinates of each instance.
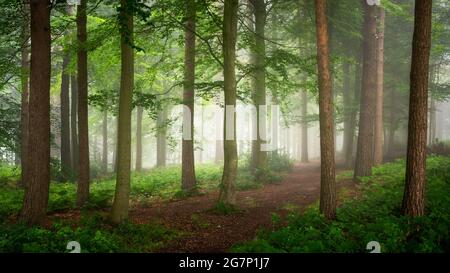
(378, 129)
(327, 177)
(25, 81)
(121, 198)
(414, 194)
(66, 157)
(227, 190)
(139, 138)
(74, 123)
(188, 182)
(83, 133)
(105, 142)
(364, 151)
(347, 112)
(304, 127)
(38, 174)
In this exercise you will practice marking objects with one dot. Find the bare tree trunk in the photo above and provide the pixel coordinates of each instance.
(227, 190)
(161, 142)
(25, 63)
(327, 178)
(364, 151)
(139, 139)
(83, 131)
(121, 198)
(66, 157)
(347, 101)
(188, 182)
(38, 174)
(414, 195)
(105, 142)
(74, 123)
(378, 129)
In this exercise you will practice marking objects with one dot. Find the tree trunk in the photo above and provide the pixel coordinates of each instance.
(414, 194)
(25, 81)
(227, 190)
(327, 177)
(121, 198)
(38, 173)
(188, 183)
(66, 160)
(259, 155)
(304, 156)
(364, 151)
(139, 139)
(74, 123)
(347, 101)
(378, 129)
(161, 142)
(83, 133)
(105, 142)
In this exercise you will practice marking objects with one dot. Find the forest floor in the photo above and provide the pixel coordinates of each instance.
(205, 230)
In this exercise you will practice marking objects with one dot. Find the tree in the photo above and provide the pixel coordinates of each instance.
(25, 63)
(378, 129)
(120, 206)
(161, 143)
(139, 113)
(259, 155)
(227, 190)
(83, 131)
(188, 166)
(38, 173)
(414, 194)
(105, 142)
(327, 177)
(74, 122)
(364, 151)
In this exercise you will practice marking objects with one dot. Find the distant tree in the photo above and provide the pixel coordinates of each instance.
(414, 194)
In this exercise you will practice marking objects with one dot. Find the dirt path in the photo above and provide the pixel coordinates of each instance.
(207, 231)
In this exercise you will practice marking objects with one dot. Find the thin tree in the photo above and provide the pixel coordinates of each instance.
(327, 177)
(83, 133)
(229, 31)
(139, 112)
(120, 206)
(105, 141)
(38, 174)
(188, 183)
(74, 122)
(414, 194)
(161, 142)
(364, 151)
(378, 129)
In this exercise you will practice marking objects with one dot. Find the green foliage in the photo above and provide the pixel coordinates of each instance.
(374, 217)
(92, 232)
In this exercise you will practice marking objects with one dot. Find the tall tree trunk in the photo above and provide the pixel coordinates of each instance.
(25, 81)
(259, 155)
(364, 151)
(83, 133)
(161, 142)
(121, 198)
(304, 127)
(414, 194)
(105, 142)
(347, 101)
(378, 129)
(327, 177)
(392, 123)
(66, 160)
(227, 190)
(139, 138)
(188, 183)
(38, 174)
(74, 123)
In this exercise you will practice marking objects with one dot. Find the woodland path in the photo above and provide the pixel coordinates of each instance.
(207, 231)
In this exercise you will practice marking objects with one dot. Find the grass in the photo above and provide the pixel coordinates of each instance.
(375, 216)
